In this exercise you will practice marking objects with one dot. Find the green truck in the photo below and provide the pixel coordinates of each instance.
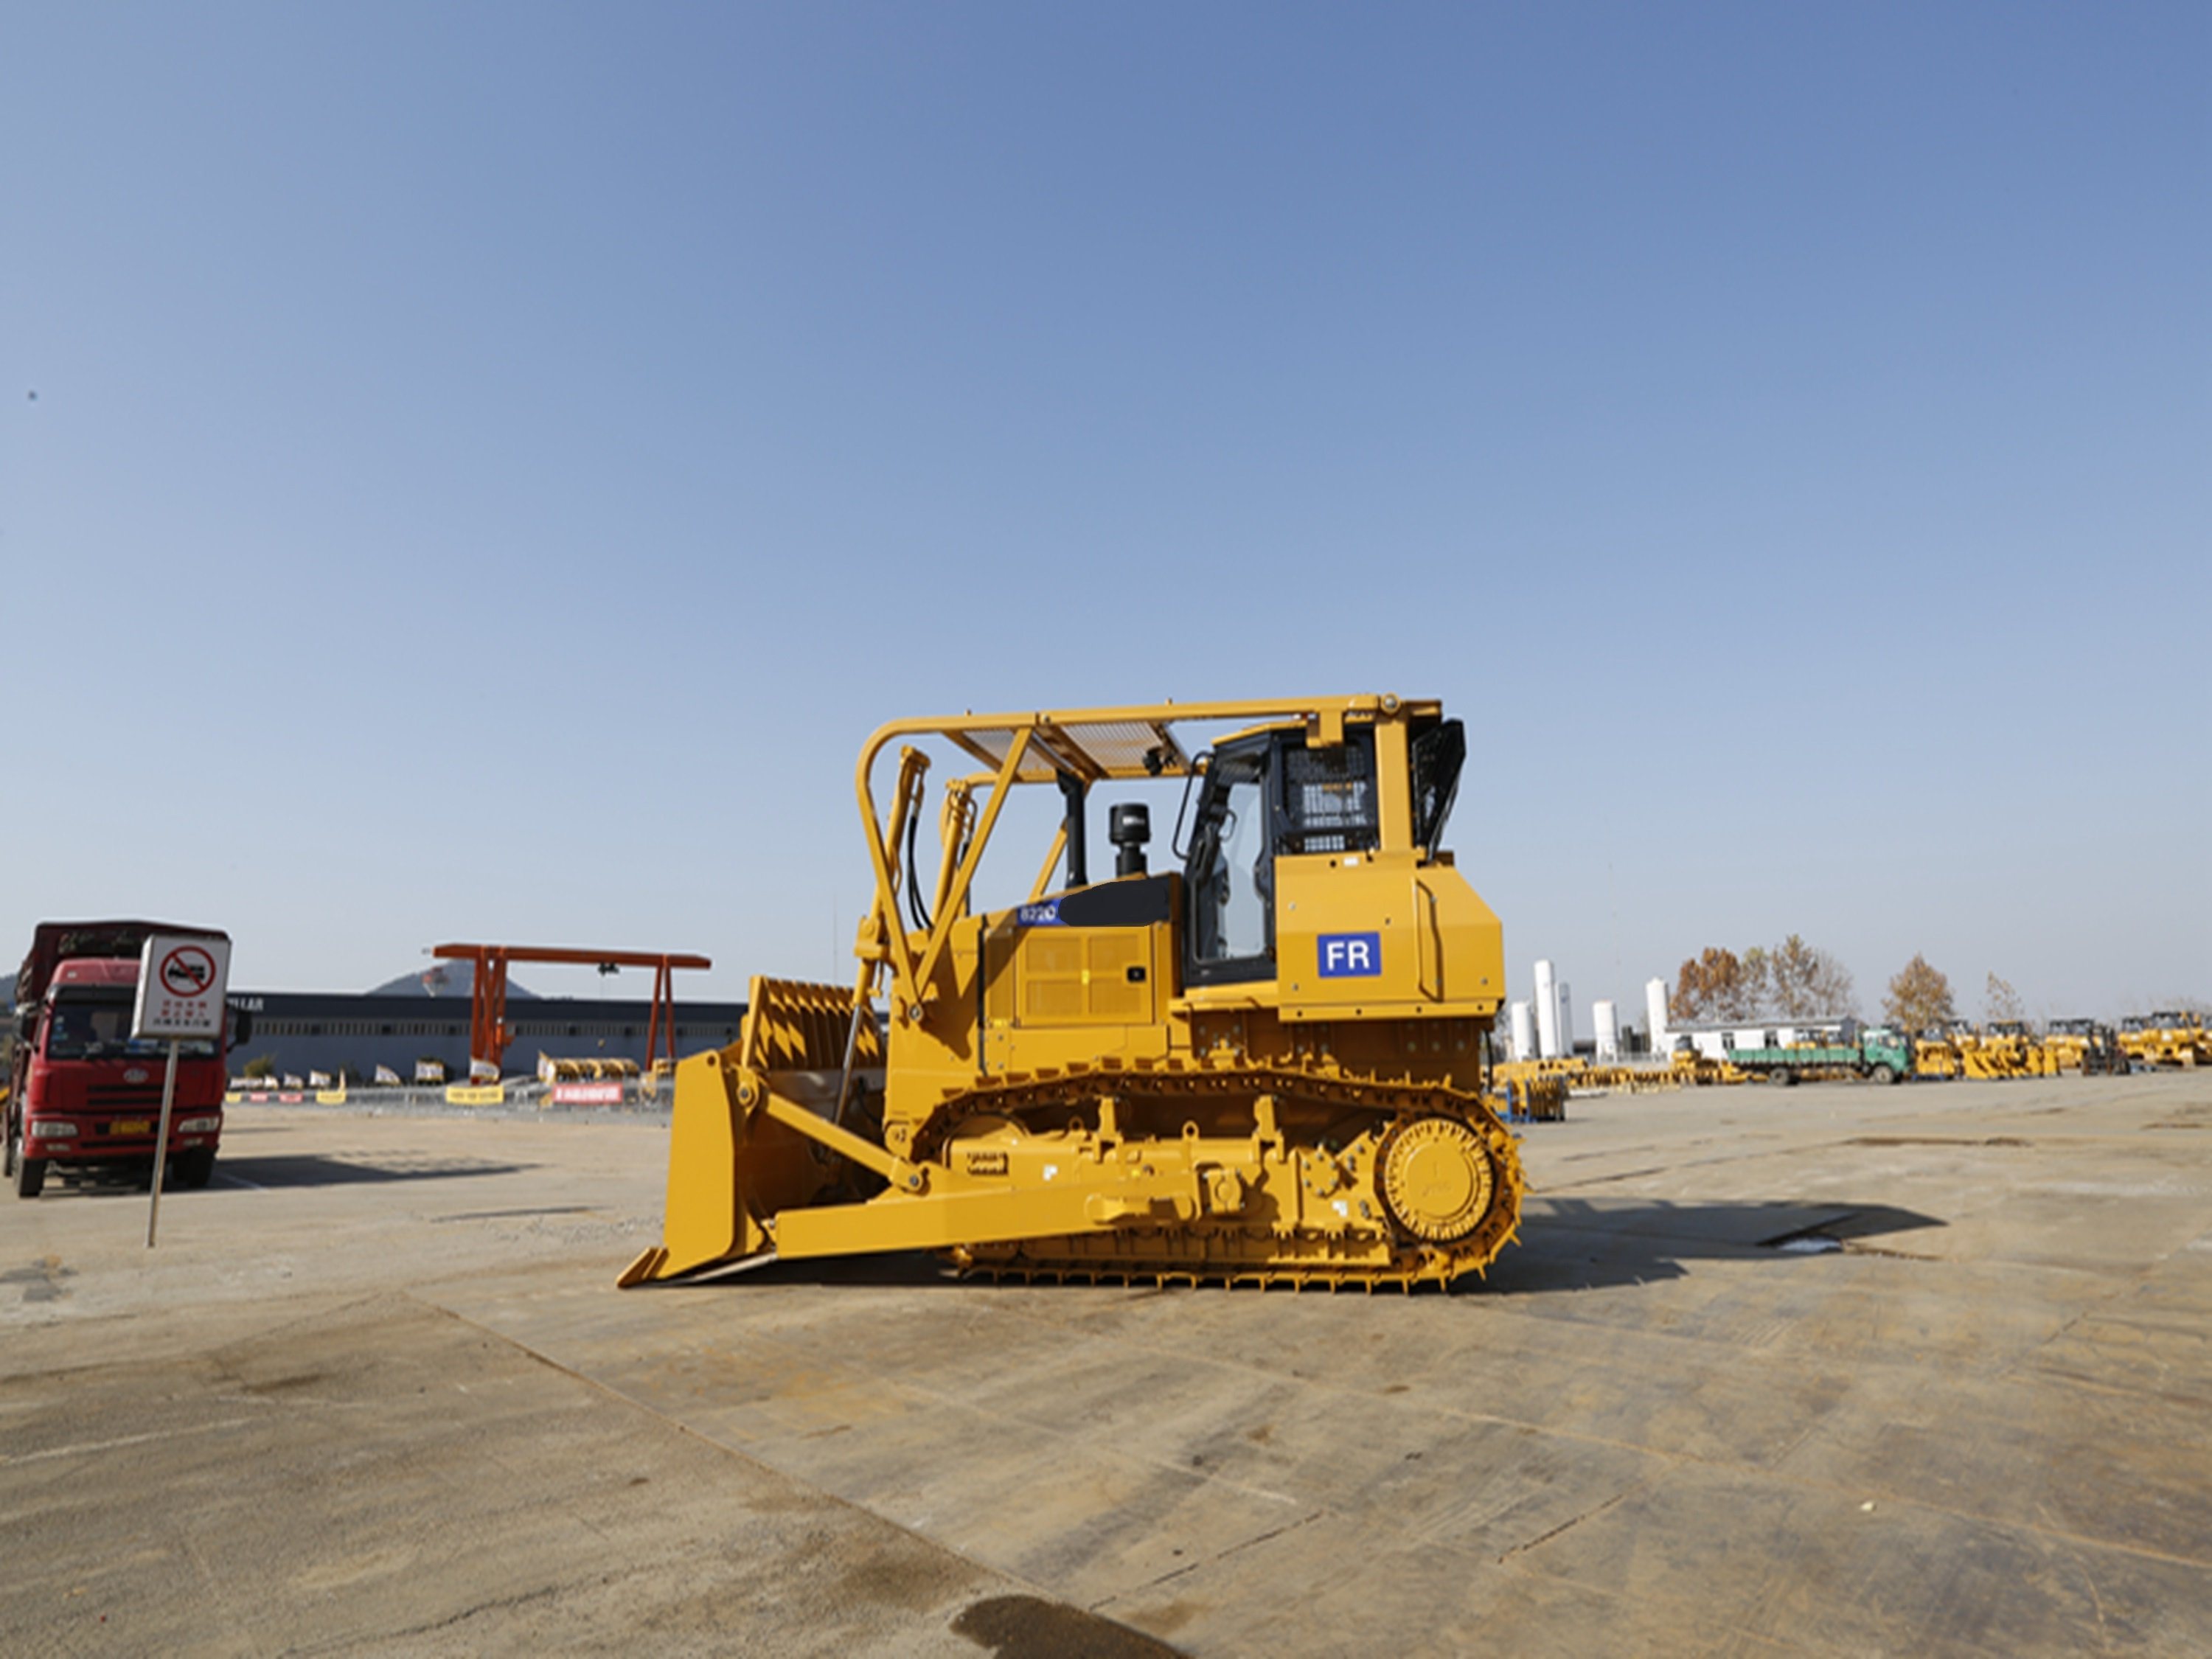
(1875, 1053)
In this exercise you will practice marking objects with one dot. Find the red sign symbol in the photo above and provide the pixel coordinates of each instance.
(186, 971)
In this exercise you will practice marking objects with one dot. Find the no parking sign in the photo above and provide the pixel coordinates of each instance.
(181, 979)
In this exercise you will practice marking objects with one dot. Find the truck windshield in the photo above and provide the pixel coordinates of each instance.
(88, 1028)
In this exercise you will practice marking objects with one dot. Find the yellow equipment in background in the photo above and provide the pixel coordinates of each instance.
(1938, 1056)
(2169, 1037)
(589, 1069)
(2086, 1046)
(1264, 1066)
(2003, 1048)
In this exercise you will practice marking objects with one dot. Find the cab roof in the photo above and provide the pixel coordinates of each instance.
(1139, 741)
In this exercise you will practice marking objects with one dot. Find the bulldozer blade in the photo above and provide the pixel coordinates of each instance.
(729, 1168)
(707, 1220)
(646, 1269)
(732, 1165)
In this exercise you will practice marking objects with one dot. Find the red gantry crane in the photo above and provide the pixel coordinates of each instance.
(489, 1035)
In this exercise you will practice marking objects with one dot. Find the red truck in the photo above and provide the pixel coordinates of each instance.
(81, 1092)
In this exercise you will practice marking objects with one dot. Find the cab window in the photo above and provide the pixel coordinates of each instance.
(1231, 877)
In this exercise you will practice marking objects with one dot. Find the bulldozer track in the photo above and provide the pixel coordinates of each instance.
(1431, 1171)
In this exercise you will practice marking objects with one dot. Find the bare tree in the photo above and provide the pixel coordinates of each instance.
(2004, 1002)
(1806, 983)
(1793, 980)
(1757, 984)
(1919, 998)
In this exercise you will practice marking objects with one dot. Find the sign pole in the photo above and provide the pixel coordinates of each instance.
(161, 1141)
(181, 982)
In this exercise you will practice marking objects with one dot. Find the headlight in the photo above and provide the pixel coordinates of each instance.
(53, 1131)
(200, 1125)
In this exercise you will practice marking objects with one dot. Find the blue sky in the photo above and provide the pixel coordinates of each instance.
(491, 467)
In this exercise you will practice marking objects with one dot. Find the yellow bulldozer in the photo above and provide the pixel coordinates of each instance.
(1264, 1066)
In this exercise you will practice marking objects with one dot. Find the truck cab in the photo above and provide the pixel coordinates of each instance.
(1888, 1054)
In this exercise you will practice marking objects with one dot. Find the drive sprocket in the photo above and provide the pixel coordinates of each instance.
(1436, 1177)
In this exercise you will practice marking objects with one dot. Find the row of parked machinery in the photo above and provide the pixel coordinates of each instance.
(2011, 1047)
(2002, 1048)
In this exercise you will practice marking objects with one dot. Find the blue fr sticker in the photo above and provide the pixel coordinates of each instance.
(1039, 916)
(1350, 956)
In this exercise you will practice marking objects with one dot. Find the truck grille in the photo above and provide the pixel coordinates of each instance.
(121, 1096)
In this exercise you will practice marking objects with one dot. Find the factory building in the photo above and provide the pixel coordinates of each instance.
(425, 1018)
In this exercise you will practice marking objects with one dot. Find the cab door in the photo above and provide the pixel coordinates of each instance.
(1230, 879)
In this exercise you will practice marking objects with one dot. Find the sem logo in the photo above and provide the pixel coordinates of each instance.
(1039, 916)
(1350, 956)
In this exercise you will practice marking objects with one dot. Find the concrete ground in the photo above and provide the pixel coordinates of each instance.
(1837, 1369)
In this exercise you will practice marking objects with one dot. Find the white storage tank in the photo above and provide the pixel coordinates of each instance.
(1547, 1013)
(1524, 1032)
(1566, 1018)
(1655, 1015)
(1608, 1026)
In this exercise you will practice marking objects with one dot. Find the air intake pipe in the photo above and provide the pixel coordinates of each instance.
(1129, 826)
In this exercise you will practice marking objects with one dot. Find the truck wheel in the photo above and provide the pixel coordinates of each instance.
(195, 1168)
(1784, 1078)
(30, 1174)
(1884, 1075)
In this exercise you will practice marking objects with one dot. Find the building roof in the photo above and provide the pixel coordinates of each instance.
(375, 1005)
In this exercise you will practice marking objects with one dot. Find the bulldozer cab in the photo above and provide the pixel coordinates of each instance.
(1272, 794)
